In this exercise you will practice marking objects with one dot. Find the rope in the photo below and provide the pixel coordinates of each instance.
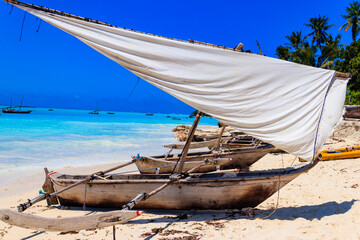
(22, 26)
(278, 195)
(12, 7)
(39, 26)
(134, 87)
(322, 111)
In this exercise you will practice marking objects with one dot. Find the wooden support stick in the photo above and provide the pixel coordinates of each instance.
(188, 142)
(220, 136)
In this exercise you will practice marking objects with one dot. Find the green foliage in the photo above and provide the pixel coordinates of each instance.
(354, 97)
(349, 62)
(319, 26)
(283, 53)
(352, 19)
(328, 52)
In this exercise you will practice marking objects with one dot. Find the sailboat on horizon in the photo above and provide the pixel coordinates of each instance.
(96, 112)
(12, 109)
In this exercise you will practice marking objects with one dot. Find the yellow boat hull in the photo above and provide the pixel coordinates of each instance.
(341, 153)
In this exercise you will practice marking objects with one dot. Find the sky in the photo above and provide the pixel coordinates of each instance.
(50, 68)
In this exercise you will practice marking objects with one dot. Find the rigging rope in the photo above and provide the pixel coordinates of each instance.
(135, 86)
(278, 195)
(22, 26)
(12, 7)
(39, 26)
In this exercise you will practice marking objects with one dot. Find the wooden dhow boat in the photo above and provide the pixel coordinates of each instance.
(239, 158)
(218, 190)
(291, 106)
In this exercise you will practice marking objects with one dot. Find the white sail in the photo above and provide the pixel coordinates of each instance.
(291, 106)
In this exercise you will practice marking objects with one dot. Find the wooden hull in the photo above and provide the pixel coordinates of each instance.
(240, 158)
(352, 112)
(17, 111)
(198, 191)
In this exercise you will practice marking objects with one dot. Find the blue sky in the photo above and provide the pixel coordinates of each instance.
(53, 69)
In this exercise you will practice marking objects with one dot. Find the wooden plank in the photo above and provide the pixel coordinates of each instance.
(66, 224)
(194, 145)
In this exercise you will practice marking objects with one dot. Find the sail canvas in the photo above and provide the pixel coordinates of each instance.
(292, 106)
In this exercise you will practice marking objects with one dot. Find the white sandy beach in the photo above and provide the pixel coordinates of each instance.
(321, 204)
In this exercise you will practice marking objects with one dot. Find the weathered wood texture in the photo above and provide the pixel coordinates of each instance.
(168, 166)
(188, 142)
(66, 224)
(240, 158)
(210, 144)
(49, 188)
(199, 191)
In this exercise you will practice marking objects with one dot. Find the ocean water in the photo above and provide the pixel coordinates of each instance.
(65, 137)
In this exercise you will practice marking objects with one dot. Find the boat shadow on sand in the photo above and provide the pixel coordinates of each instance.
(308, 212)
(217, 218)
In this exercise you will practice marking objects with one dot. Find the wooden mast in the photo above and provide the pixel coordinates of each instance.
(188, 142)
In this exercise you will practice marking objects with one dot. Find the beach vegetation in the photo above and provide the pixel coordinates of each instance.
(321, 49)
(352, 19)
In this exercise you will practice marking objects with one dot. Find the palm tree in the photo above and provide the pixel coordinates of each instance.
(305, 54)
(319, 26)
(331, 51)
(295, 40)
(352, 19)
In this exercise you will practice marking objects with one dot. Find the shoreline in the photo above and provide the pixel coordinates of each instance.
(313, 206)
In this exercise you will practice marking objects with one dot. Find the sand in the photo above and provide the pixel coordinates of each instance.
(323, 203)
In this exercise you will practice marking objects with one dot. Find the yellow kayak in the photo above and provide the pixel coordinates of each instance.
(340, 153)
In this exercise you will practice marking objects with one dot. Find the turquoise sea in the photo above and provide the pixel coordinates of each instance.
(65, 137)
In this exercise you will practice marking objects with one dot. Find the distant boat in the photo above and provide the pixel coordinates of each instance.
(50, 109)
(12, 109)
(95, 111)
(110, 113)
(149, 114)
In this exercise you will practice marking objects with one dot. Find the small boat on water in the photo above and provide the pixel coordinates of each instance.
(96, 112)
(18, 110)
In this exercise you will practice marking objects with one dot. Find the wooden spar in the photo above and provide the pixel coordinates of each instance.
(22, 207)
(188, 142)
(261, 53)
(194, 145)
(15, 2)
(342, 75)
(239, 47)
(220, 136)
(67, 224)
